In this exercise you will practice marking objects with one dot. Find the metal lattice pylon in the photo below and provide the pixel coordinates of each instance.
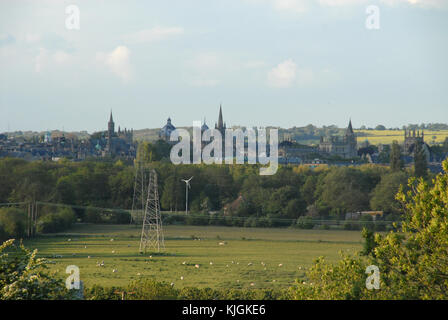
(152, 233)
(140, 192)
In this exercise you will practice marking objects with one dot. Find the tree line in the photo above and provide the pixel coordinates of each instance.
(235, 191)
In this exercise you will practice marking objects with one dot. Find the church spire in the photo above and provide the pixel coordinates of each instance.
(111, 119)
(350, 128)
(220, 121)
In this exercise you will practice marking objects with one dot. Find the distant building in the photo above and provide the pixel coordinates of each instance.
(221, 125)
(412, 138)
(165, 132)
(343, 146)
(119, 143)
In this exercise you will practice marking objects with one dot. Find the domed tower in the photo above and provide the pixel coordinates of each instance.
(165, 132)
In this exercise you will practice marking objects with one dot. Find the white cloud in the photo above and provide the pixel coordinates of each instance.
(154, 34)
(283, 75)
(418, 3)
(118, 61)
(298, 6)
(205, 69)
(31, 38)
(46, 59)
(254, 64)
(301, 6)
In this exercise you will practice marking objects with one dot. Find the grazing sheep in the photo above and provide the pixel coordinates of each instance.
(172, 284)
(222, 243)
(139, 274)
(85, 247)
(113, 251)
(88, 257)
(211, 263)
(280, 265)
(196, 266)
(184, 262)
(69, 240)
(115, 270)
(182, 278)
(249, 264)
(111, 240)
(252, 284)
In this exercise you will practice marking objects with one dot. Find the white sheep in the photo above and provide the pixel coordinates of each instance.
(196, 266)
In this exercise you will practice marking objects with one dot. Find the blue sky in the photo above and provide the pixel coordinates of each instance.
(269, 62)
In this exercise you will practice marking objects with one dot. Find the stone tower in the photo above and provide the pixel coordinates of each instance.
(221, 126)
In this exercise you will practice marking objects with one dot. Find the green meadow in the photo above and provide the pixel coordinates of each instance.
(216, 257)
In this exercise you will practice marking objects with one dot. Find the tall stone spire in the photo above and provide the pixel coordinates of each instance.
(111, 125)
(220, 121)
(350, 128)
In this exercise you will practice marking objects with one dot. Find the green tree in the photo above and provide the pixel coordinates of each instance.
(23, 276)
(383, 196)
(12, 223)
(345, 189)
(396, 163)
(412, 260)
(420, 163)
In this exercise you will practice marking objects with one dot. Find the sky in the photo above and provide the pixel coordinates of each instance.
(268, 62)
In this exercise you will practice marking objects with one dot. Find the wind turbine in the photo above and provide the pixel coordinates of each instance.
(187, 186)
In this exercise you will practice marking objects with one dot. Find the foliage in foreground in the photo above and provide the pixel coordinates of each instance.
(23, 276)
(413, 261)
(153, 290)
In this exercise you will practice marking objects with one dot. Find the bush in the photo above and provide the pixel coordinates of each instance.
(152, 290)
(197, 219)
(119, 217)
(56, 221)
(23, 276)
(92, 216)
(12, 223)
(305, 223)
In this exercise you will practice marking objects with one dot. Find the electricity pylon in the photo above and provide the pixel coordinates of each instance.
(152, 233)
(141, 181)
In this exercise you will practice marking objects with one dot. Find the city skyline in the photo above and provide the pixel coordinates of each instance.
(269, 62)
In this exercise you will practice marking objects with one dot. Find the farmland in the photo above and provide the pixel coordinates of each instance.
(246, 257)
(388, 136)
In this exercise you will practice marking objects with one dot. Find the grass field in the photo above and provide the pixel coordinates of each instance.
(388, 136)
(236, 264)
